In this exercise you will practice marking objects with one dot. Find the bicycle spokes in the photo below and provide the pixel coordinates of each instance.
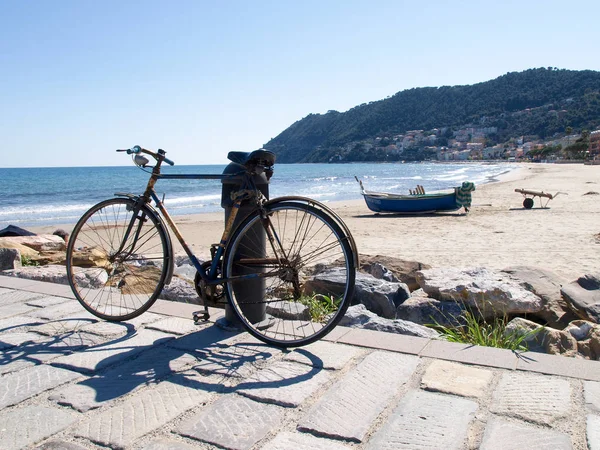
(301, 241)
(117, 259)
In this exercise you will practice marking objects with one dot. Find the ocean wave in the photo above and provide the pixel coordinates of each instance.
(37, 210)
(325, 178)
(319, 195)
(40, 220)
(197, 198)
(458, 177)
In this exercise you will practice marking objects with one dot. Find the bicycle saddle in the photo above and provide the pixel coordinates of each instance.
(261, 156)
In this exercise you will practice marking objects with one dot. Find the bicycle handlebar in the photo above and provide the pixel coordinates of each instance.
(159, 156)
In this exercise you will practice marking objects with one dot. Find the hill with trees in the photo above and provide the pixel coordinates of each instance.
(537, 103)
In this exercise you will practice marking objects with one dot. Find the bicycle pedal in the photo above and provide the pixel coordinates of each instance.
(200, 316)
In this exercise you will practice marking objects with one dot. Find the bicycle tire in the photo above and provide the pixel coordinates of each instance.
(284, 305)
(118, 283)
(327, 210)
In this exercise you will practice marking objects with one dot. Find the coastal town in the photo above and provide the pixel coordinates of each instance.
(473, 143)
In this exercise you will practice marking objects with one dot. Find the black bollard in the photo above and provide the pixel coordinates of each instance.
(251, 290)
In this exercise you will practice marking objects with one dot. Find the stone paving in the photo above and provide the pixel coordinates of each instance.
(159, 382)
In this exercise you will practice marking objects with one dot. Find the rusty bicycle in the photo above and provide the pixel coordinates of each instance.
(266, 266)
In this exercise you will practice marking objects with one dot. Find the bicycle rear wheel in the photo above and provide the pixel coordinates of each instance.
(117, 259)
(277, 295)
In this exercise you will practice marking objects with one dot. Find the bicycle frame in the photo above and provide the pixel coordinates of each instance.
(265, 265)
(150, 194)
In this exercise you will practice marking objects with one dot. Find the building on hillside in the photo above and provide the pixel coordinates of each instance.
(462, 136)
(463, 155)
(475, 146)
(475, 150)
(393, 149)
(495, 152)
(594, 148)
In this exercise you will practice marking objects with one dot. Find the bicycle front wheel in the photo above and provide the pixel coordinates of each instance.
(117, 259)
(271, 269)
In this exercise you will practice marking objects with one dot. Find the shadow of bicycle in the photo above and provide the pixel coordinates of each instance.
(211, 359)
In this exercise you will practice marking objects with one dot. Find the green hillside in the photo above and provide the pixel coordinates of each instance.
(537, 103)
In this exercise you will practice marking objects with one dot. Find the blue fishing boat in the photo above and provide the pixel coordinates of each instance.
(417, 202)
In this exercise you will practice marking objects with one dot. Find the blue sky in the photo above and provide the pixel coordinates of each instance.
(79, 79)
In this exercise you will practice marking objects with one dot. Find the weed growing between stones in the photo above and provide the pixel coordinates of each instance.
(27, 261)
(320, 306)
(472, 328)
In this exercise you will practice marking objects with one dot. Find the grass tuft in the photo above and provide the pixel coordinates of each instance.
(27, 261)
(320, 306)
(485, 332)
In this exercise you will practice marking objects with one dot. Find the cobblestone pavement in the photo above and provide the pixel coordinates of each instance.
(69, 381)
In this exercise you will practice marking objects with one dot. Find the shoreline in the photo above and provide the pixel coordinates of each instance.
(497, 233)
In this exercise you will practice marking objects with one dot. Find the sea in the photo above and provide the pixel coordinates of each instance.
(48, 196)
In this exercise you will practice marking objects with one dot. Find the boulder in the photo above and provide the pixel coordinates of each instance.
(587, 335)
(546, 285)
(492, 293)
(583, 297)
(359, 317)
(400, 269)
(182, 259)
(136, 279)
(580, 329)
(543, 339)
(45, 258)
(288, 310)
(185, 271)
(428, 311)
(379, 296)
(381, 272)
(86, 278)
(90, 257)
(419, 293)
(180, 290)
(43, 242)
(10, 258)
(26, 252)
(92, 277)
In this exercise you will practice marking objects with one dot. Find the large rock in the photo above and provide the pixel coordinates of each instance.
(86, 278)
(542, 339)
(90, 257)
(45, 258)
(428, 311)
(546, 285)
(185, 271)
(492, 293)
(587, 335)
(288, 310)
(359, 317)
(379, 296)
(25, 251)
(136, 280)
(10, 258)
(180, 290)
(581, 329)
(43, 242)
(400, 269)
(583, 297)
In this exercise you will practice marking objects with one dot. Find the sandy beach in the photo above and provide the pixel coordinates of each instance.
(497, 233)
